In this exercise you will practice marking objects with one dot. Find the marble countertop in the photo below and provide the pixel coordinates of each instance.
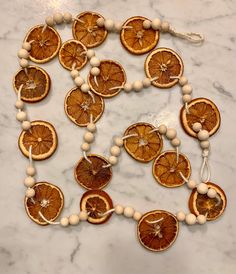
(113, 247)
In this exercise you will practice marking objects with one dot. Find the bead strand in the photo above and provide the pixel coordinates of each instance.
(58, 18)
(115, 151)
(191, 219)
(29, 181)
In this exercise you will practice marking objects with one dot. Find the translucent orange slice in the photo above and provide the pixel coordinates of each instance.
(157, 230)
(86, 30)
(166, 169)
(164, 64)
(213, 208)
(79, 106)
(43, 139)
(96, 202)
(144, 145)
(72, 54)
(36, 84)
(135, 38)
(203, 111)
(45, 43)
(108, 83)
(48, 200)
(93, 175)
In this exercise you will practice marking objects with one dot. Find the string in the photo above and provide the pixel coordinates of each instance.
(154, 222)
(205, 167)
(193, 37)
(30, 156)
(92, 96)
(183, 177)
(129, 136)
(19, 92)
(106, 212)
(86, 158)
(177, 154)
(79, 20)
(47, 221)
(44, 27)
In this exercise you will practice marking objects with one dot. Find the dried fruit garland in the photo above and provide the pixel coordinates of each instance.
(84, 105)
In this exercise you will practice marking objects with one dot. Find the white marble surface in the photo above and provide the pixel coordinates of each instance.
(113, 247)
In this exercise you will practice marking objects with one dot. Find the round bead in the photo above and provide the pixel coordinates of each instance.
(85, 88)
(26, 46)
(180, 216)
(73, 219)
(187, 98)
(90, 53)
(88, 137)
(79, 81)
(49, 21)
(64, 221)
(201, 219)
(113, 160)
(127, 87)
(115, 151)
(191, 184)
(205, 144)
(24, 63)
(118, 26)
(83, 215)
(29, 181)
(67, 17)
(58, 18)
(187, 89)
(147, 24)
(137, 85)
(156, 23)
(30, 192)
(128, 212)
(202, 188)
(91, 127)
(100, 22)
(183, 80)
(94, 62)
(162, 129)
(26, 125)
(85, 147)
(211, 193)
(165, 26)
(95, 71)
(203, 135)
(30, 170)
(21, 116)
(175, 142)
(171, 133)
(190, 219)
(109, 24)
(74, 73)
(119, 209)
(197, 127)
(19, 104)
(137, 216)
(146, 82)
(22, 53)
(119, 141)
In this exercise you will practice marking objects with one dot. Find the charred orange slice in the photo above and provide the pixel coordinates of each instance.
(45, 43)
(157, 230)
(48, 200)
(135, 38)
(213, 208)
(203, 111)
(164, 64)
(96, 203)
(36, 84)
(86, 30)
(43, 139)
(143, 144)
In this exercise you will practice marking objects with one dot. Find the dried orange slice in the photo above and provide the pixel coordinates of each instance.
(72, 54)
(145, 145)
(93, 175)
(36, 84)
(48, 200)
(43, 139)
(203, 111)
(96, 202)
(79, 106)
(157, 230)
(213, 208)
(135, 38)
(166, 170)
(87, 31)
(45, 43)
(111, 75)
(164, 63)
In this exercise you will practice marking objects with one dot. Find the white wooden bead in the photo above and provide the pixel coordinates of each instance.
(175, 142)
(119, 141)
(85, 87)
(109, 24)
(74, 219)
(118, 26)
(187, 98)
(94, 62)
(162, 129)
(79, 81)
(202, 188)
(29, 181)
(183, 80)
(30, 193)
(128, 212)
(58, 18)
(19, 104)
(180, 215)
(203, 135)
(137, 85)
(146, 82)
(30, 171)
(191, 184)
(201, 219)
(165, 26)
(100, 22)
(49, 21)
(88, 137)
(187, 89)
(119, 209)
(64, 221)
(211, 193)
(137, 216)
(26, 46)
(95, 71)
(171, 133)
(190, 219)
(74, 73)
(67, 17)
(204, 144)
(91, 127)
(90, 53)
(22, 53)
(24, 63)
(83, 215)
(147, 24)
(197, 127)
(21, 116)
(115, 151)
(127, 87)
(113, 160)
(26, 125)
(156, 24)
(85, 147)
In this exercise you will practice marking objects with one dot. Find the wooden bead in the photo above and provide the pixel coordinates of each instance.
(24, 63)
(211, 193)
(26, 125)
(74, 219)
(191, 184)
(147, 24)
(58, 18)
(119, 209)
(85, 146)
(127, 87)
(19, 104)
(74, 73)
(137, 216)
(201, 219)
(203, 135)
(83, 215)
(79, 81)
(95, 71)
(49, 21)
(204, 144)
(22, 53)
(165, 26)
(109, 24)
(100, 22)
(26, 46)
(202, 188)
(30, 193)
(94, 62)
(128, 212)
(85, 87)
(119, 141)
(118, 26)
(175, 142)
(91, 127)
(90, 53)
(190, 219)
(197, 127)
(115, 151)
(64, 222)
(88, 137)
(137, 85)
(113, 160)
(187, 89)
(187, 98)
(162, 129)
(171, 133)
(21, 116)
(30, 171)
(146, 83)
(29, 181)
(67, 17)
(180, 215)
(183, 80)
(156, 24)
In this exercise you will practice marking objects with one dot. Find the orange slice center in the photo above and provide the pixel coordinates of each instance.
(44, 203)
